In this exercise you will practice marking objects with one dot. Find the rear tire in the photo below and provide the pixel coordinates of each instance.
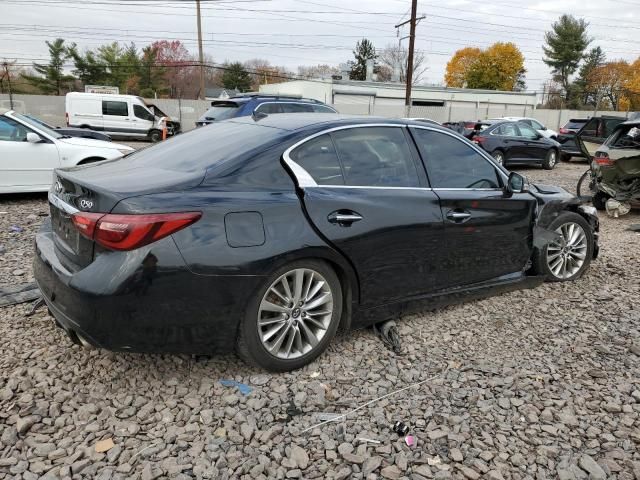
(498, 156)
(570, 257)
(291, 319)
(550, 160)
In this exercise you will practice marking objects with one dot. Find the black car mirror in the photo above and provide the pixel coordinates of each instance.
(516, 183)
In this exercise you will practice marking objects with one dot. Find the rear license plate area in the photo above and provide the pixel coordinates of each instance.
(64, 229)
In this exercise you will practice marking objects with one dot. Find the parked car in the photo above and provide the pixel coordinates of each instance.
(73, 132)
(29, 152)
(594, 133)
(567, 139)
(424, 120)
(124, 116)
(535, 124)
(515, 142)
(467, 128)
(614, 172)
(249, 103)
(289, 228)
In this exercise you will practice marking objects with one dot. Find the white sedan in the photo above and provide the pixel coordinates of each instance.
(30, 151)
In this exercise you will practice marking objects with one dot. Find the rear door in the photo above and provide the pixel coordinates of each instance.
(510, 141)
(85, 111)
(487, 233)
(366, 193)
(535, 147)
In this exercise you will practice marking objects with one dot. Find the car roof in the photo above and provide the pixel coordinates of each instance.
(4, 110)
(297, 121)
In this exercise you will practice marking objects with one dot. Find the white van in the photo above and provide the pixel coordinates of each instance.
(117, 115)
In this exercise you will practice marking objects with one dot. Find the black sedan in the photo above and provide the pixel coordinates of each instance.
(73, 132)
(265, 235)
(515, 142)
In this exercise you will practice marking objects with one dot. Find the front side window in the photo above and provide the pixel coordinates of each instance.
(318, 157)
(140, 112)
(376, 157)
(119, 109)
(451, 163)
(528, 132)
(12, 131)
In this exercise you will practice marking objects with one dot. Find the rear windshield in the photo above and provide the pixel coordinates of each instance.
(575, 124)
(627, 136)
(203, 148)
(222, 111)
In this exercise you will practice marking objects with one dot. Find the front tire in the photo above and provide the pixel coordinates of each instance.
(550, 160)
(155, 136)
(568, 257)
(292, 318)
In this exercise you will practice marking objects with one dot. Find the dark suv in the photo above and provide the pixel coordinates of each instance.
(249, 103)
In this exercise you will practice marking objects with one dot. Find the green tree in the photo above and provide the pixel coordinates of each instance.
(151, 75)
(51, 78)
(583, 94)
(88, 68)
(364, 51)
(235, 76)
(564, 49)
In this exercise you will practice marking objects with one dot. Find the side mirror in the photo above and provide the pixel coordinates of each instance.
(543, 128)
(516, 183)
(33, 138)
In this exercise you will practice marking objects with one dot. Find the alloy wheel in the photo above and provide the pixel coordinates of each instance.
(498, 157)
(566, 255)
(295, 313)
(552, 158)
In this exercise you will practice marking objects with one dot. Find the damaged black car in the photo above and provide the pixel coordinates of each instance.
(265, 235)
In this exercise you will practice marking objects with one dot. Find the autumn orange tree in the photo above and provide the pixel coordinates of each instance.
(499, 67)
(615, 84)
(459, 66)
(632, 86)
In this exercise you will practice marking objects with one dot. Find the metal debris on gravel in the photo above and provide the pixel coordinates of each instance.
(550, 388)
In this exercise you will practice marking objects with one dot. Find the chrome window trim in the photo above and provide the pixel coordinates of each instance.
(295, 103)
(305, 180)
(503, 175)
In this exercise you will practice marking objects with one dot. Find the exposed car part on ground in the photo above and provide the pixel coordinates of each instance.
(271, 240)
(29, 152)
(613, 177)
(124, 116)
(247, 104)
(514, 142)
(73, 132)
(567, 139)
(535, 124)
(14, 294)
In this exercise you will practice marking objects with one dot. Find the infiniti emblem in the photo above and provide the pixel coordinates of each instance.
(86, 204)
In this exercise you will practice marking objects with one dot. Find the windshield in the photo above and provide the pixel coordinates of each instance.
(37, 125)
(222, 111)
(626, 137)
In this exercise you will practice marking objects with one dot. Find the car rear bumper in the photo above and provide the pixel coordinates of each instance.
(120, 303)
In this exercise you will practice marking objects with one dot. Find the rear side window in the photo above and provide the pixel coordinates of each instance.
(322, 109)
(318, 157)
(110, 107)
(269, 108)
(508, 130)
(296, 107)
(451, 163)
(376, 157)
(626, 137)
(222, 111)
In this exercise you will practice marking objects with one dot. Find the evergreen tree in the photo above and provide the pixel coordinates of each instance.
(52, 79)
(235, 76)
(564, 49)
(592, 60)
(88, 68)
(364, 51)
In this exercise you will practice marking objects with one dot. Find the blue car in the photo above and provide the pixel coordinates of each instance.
(247, 104)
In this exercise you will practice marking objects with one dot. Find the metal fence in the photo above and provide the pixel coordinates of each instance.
(51, 110)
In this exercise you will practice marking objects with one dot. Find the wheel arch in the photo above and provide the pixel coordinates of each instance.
(84, 161)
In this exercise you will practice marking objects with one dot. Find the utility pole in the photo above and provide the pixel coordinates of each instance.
(200, 53)
(6, 70)
(413, 21)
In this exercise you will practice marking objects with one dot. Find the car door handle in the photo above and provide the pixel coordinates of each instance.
(344, 218)
(458, 216)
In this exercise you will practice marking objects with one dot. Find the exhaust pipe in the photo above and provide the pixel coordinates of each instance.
(79, 340)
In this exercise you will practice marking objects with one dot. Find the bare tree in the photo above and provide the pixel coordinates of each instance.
(393, 55)
(317, 71)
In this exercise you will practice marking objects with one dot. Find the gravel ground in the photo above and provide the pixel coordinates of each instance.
(535, 384)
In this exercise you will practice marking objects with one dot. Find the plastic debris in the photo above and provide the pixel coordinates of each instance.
(21, 293)
(104, 445)
(242, 387)
(634, 227)
(388, 333)
(323, 417)
(400, 428)
(433, 461)
(15, 228)
(315, 375)
(410, 440)
(367, 440)
(616, 209)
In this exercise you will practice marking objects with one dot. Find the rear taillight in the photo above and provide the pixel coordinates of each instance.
(128, 232)
(603, 160)
(564, 130)
(478, 139)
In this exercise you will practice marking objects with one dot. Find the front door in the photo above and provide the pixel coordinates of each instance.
(24, 166)
(366, 194)
(487, 234)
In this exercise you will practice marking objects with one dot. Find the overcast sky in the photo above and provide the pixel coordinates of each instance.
(306, 32)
